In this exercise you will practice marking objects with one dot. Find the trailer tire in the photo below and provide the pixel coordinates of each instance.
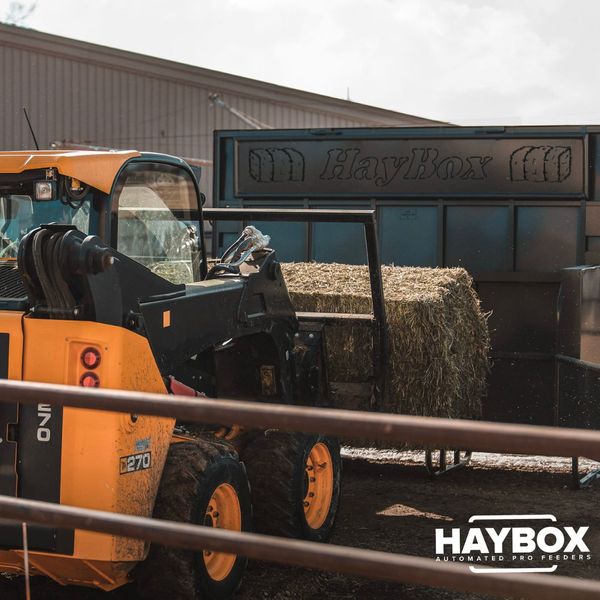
(280, 467)
(199, 477)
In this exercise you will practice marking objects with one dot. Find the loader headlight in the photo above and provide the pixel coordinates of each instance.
(44, 190)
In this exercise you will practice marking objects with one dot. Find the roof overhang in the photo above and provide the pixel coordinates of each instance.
(97, 169)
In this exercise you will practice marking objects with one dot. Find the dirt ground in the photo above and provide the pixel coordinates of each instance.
(390, 503)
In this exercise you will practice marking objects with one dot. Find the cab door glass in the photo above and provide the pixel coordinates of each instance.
(157, 220)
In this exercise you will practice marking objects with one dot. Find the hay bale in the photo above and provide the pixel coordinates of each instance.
(439, 339)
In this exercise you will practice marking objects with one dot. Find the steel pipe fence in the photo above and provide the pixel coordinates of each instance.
(398, 568)
(429, 431)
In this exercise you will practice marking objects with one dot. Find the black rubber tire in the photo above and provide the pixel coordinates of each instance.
(275, 462)
(193, 471)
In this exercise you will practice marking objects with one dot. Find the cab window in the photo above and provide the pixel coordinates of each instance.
(157, 220)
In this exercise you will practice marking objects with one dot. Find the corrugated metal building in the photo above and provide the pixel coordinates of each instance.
(85, 93)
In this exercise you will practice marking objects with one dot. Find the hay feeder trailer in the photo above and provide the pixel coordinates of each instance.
(518, 207)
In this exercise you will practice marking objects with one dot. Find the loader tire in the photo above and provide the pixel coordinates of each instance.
(295, 484)
(203, 483)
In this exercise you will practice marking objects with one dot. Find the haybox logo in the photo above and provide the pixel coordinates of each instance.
(536, 548)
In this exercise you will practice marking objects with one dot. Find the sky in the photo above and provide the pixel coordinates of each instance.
(464, 61)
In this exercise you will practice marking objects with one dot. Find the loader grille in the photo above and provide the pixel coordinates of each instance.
(11, 283)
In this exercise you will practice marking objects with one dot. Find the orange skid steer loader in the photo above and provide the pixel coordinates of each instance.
(104, 282)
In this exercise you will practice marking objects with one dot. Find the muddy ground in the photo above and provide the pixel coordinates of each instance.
(389, 503)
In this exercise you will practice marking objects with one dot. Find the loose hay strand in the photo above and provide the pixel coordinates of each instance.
(439, 340)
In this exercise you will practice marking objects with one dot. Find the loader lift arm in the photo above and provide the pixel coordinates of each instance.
(378, 319)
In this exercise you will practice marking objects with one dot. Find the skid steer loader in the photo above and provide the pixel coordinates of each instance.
(104, 282)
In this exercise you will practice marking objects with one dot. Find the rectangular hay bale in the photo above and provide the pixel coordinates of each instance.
(439, 340)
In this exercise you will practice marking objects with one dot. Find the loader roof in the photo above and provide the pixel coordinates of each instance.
(96, 168)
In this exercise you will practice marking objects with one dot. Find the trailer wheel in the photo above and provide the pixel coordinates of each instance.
(295, 484)
(203, 483)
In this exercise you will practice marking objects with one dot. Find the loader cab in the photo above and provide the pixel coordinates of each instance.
(145, 205)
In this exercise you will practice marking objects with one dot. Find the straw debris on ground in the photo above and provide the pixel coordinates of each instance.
(439, 339)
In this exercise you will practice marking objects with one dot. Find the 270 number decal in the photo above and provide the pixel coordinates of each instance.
(135, 462)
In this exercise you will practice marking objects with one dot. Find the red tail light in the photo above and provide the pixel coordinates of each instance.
(90, 358)
(89, 380)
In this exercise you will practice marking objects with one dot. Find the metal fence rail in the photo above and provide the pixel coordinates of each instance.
(430, 431)
(492, 437)
(398, 568)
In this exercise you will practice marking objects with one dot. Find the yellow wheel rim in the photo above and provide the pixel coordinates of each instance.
(224, 512)
(319, 488)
